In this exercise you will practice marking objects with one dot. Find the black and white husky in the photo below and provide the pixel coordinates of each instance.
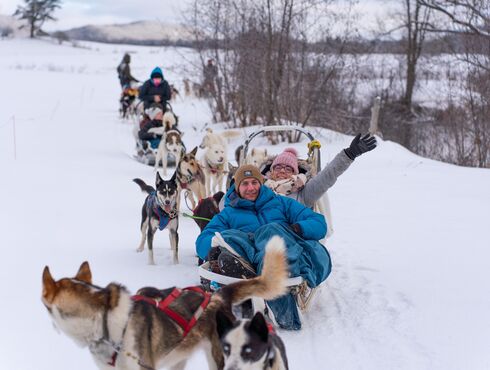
(250, 344)
(160, 211)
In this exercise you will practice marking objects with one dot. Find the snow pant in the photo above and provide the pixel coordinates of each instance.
(307, 258)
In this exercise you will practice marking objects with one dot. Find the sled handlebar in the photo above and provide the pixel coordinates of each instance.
(275, 128)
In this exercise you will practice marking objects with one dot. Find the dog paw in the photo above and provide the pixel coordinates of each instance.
(139, 250)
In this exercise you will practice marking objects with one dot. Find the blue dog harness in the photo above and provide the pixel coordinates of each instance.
(153, 207)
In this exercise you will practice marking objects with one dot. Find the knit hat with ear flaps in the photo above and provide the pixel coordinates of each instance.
(157, 72)
(245, 171)
(289, 157)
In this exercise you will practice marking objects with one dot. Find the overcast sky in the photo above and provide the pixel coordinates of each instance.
(77, 13)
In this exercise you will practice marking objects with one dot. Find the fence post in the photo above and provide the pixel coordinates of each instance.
(373, 125)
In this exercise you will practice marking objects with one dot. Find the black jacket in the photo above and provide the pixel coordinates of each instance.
(148, 91)
(124, 73)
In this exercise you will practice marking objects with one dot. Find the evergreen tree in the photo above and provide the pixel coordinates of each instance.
(36, 12)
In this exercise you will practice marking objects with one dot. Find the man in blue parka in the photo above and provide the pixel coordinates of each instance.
(252, 215)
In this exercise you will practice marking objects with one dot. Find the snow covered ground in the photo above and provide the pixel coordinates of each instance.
(410, 286)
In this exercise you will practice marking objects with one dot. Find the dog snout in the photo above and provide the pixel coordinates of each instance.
(166, 202)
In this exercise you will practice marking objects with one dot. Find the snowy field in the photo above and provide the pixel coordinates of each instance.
(410, 288)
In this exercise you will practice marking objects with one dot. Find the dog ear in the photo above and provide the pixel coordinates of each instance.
(259, 326)
(84, 274)
(217, 196)
(49, 285)
(194, 151)
(223, 323)
(174, 177)
(158, 180)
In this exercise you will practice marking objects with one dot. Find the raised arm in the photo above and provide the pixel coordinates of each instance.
(324, 180)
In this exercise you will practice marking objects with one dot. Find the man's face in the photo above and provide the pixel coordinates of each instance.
(281, 172)
(249, 189)
(157, 81)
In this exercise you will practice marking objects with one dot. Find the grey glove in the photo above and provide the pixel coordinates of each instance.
(360, 145)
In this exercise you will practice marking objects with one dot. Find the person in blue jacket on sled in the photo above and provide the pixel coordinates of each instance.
(236, 238)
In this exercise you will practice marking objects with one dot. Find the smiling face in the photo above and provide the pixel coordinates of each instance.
(249, 188)
(281, 172)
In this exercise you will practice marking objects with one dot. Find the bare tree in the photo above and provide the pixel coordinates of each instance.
(417, 16)
(36, 12)
(274, 60)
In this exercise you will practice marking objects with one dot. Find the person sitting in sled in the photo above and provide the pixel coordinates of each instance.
(155, 115)
(284, 177)
(253, 213)
(155, 90)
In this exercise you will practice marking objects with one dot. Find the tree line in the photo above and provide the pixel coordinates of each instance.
(285, 62)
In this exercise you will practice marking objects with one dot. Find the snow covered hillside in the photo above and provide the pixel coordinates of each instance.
(410, 285)
(135, 32)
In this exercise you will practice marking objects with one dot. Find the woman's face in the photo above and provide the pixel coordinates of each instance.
(281, 172)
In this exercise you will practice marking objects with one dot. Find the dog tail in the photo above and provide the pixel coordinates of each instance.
(270, 284)
(144, 187)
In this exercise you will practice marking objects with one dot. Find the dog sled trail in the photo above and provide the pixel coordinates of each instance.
(127, 332)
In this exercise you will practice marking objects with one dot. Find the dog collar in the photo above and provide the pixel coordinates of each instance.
(215, 168)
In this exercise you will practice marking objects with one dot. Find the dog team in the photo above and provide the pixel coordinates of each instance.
(161, 328)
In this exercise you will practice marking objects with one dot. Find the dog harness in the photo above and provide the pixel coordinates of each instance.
(153, 206)
(163, 305)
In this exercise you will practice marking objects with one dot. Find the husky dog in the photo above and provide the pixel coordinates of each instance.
(171, 141)
(125, 333)
(214, 162)
(160, 211)
(215, 166)
(207, 208)
(191, 177)
(256, 156)
(250, 344)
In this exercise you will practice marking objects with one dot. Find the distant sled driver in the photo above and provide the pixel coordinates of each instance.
(124, 72)
(155, 90)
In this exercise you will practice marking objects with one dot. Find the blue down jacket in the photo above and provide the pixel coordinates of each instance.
(247, 226)
(247, 216)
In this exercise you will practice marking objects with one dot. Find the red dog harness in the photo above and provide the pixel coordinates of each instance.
(163, 305)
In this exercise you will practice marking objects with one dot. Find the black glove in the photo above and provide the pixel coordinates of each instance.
(297, 229)
(360, 145)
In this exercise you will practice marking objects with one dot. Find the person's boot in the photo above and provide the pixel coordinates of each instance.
(213, 255)
(233, 266)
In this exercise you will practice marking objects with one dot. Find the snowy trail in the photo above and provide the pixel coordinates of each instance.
(409, 289)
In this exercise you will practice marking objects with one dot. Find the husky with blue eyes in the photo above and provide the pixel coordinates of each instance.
(250, 344)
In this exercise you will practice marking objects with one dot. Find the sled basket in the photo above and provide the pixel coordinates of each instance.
(212, 281)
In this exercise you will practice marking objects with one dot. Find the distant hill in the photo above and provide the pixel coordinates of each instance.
(141, 32)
